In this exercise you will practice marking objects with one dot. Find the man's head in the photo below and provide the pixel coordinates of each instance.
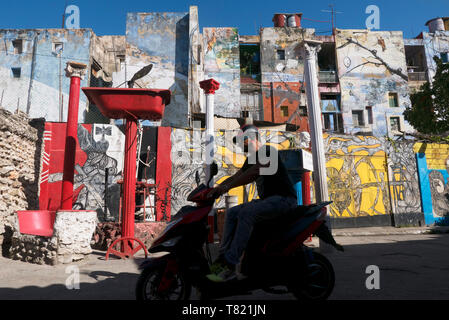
(248, 138)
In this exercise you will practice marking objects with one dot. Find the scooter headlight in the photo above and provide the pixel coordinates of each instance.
(171, 242)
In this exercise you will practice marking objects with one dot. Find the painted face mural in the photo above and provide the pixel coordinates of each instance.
(440, 193)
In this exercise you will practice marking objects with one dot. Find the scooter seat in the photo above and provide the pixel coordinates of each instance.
(287, 217)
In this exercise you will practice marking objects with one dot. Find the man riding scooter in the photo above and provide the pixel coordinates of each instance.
(263, 165)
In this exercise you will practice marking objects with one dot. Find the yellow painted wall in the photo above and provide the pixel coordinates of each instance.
(276, 139)
(357, 177)
(436, 154)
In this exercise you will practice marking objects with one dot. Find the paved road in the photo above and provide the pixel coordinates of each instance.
(411, 267)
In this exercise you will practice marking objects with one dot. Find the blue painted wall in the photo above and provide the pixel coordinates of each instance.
(427, 192)
(162, 39)
(36, 92)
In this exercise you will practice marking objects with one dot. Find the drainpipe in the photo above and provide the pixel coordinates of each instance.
(76, 72)
(209, 86)
(311, 48)
(33, 67)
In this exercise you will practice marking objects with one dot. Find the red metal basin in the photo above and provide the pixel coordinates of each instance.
(36, 222)
(120, 103)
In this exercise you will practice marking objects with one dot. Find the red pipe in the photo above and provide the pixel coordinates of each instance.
(70, 144)
(305, 183)
(306, 188)
(129, 181)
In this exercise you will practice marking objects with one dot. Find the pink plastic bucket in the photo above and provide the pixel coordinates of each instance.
(36, 222)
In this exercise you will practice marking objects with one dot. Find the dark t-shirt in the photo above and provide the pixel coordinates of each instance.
(271, 183)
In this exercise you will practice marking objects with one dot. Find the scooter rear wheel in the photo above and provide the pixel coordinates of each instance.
(320, 280)
(150, 279)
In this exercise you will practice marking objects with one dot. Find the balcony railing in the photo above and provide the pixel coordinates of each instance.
(417, 76)
(327, 76)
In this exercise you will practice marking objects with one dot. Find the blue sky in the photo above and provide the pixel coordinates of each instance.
(108, 17)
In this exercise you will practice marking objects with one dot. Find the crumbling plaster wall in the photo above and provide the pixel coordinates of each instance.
(37, 91)
(20, 162)
(106, 50)
(370, 65)
(162, 39)
(435, 44)
(196, 58)
(283, 73)
(222, 63)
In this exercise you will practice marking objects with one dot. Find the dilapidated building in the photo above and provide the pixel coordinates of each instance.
(32, 76)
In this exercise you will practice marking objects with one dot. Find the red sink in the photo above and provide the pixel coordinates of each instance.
(120, 103)
(36, 222)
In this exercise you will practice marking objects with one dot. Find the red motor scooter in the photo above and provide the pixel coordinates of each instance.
(275, 256)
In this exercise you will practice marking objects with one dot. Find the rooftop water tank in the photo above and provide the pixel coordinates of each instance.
(294, 21)
(279, 20)
(436, 24)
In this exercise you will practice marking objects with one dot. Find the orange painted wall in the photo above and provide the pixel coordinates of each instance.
(279, 94)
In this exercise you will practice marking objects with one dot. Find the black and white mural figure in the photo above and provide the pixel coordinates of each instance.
(90, 178)
(188, 156)
(405, 194)
(439, 190)
(187, 151)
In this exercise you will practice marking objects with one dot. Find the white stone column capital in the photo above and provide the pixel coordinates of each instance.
(311, 48)
(75, 69)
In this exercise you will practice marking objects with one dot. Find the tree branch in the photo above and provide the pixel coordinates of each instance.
(374, 53)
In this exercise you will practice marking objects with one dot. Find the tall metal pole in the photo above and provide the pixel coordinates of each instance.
(76, 72)
(129, 182)
(209, 86)
(311, 48)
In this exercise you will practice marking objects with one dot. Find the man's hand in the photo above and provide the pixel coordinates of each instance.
(217, 191)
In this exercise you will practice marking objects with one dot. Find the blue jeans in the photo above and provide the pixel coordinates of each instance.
(241, 219)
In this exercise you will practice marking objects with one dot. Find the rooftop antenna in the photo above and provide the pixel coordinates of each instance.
(63, 15)
(333, 17)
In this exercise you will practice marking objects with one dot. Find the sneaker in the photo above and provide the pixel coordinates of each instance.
(221, 272)
(216, 267)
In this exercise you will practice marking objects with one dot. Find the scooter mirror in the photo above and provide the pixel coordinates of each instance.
(213, 169)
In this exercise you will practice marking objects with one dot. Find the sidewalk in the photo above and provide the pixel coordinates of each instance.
(380, 231)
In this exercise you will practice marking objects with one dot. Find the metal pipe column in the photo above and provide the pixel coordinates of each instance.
(129, 181)
(76, 72)
(209, 86)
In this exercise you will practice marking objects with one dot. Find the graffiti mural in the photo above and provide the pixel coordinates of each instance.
(222, 63)
(439, 190)
(188, 154)
(90, 178)
(371, 67)
(404, 184)
(433, 170)
(162, 39)
(184, 150)
(357, 176)
(99, 147)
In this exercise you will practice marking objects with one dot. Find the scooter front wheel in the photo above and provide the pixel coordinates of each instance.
(149, 283)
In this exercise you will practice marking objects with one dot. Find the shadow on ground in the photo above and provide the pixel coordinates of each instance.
(98, 279)
(411, 267)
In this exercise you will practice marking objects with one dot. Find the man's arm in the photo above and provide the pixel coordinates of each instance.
(243, 177)
(232, 178)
